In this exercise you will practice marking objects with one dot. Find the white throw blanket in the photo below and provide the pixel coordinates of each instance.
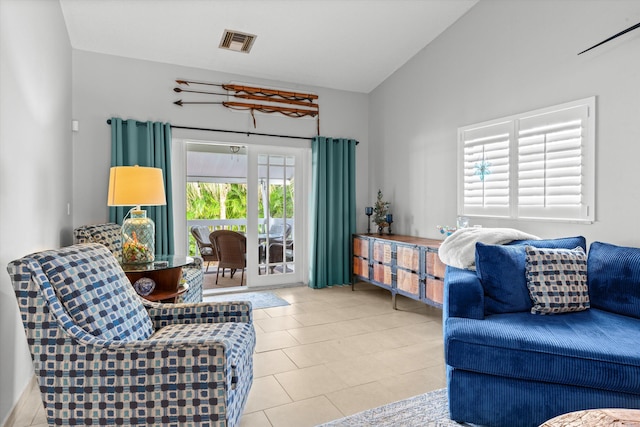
(459, 249)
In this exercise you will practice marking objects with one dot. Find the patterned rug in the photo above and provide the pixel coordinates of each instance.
(426, 410)
(258, 299)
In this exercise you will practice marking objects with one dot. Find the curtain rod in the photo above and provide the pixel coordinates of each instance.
(235, 131)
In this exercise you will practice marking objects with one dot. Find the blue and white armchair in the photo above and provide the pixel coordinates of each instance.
(105, 356)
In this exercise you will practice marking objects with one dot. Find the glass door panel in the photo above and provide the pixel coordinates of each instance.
(276, 237)
(277, 211)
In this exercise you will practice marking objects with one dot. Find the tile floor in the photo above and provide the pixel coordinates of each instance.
(331, 353)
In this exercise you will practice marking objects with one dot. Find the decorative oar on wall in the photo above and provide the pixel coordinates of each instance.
(631, 28)
(290, 104)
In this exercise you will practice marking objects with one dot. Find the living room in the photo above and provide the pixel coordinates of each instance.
(498, 59)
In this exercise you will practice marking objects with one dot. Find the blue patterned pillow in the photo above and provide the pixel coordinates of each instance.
(95, 292)
(557, 280)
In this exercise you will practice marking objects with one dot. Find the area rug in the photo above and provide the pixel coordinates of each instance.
(426, 410)
(258, 299)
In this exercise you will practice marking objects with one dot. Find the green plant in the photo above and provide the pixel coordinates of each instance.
(380, 210)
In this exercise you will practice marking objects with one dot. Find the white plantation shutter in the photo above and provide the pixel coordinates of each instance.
(486, 169)
(537, 165)
(550, 164)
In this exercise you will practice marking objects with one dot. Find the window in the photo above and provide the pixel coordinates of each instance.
(536, 165)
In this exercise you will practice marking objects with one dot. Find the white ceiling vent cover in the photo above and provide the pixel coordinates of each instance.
(237, 41)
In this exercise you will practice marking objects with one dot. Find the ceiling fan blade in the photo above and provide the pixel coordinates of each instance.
(633, 27)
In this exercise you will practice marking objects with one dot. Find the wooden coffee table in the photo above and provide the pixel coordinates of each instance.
(609, 417)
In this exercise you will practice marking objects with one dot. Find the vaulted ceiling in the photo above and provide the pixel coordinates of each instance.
(350, 45)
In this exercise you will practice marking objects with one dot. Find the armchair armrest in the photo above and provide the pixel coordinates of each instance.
(204, 312)
(197, 263)
(463, 294)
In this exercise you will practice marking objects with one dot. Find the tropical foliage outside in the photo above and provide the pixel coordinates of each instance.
(229, 201)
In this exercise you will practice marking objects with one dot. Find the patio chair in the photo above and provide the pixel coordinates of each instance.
(141, 363)
(279, 252)
(232, 250)
(205, 246)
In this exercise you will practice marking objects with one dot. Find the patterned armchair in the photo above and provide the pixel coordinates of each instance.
(110, 235)
(105, 356)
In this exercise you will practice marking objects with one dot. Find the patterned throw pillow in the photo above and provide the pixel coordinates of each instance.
(557, 280)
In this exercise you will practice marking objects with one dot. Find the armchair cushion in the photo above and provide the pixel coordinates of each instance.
(590, 348)
(95, 292)
(206, 251)
(501, 269)
(614, 278)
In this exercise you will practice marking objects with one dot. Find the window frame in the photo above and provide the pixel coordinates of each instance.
(584, 212)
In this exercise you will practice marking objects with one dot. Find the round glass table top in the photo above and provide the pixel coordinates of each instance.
(162, 262)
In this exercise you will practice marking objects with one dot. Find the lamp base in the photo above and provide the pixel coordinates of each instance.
(138, 238)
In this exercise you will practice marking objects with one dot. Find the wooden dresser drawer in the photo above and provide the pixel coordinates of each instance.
(435, 267)
(361, 267)
(408, 257)
(382, 252)
(360, 247)
(382, 273)
(408, 282)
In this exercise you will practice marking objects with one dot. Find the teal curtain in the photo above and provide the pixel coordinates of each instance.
(145, 144)
(333, 211)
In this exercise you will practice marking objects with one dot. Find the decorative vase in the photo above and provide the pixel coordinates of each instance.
(138, 239)
(144, 286)
(380, 230)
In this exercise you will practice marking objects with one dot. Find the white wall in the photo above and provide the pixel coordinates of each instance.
(499, 59)
(106, 86)
(35, 161)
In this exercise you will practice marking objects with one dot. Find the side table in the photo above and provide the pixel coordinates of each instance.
(165, 271)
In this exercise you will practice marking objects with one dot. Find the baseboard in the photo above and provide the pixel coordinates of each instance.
(24, 397)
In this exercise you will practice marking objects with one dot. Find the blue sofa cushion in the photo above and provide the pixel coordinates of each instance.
(557, 280)
(95, 292)
(614, 278)
(501, 269)
(591, 348)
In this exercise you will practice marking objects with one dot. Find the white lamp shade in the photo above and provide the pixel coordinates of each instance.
(136, 186)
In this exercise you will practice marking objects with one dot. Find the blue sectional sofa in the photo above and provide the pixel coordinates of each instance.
(509, 367)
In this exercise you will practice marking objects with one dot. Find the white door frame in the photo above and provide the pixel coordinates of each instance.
(302, 190)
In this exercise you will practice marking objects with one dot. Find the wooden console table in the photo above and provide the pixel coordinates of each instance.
(166, 271)
(404, 265)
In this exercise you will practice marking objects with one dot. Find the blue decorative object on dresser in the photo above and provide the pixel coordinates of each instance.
(508, 367)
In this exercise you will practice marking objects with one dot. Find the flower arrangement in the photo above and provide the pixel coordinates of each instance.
(134, 252)
(380, 210)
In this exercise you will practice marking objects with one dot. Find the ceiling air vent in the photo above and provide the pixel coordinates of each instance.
(235, 40)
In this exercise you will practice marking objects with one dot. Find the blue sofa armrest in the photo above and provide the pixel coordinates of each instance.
(463, 294)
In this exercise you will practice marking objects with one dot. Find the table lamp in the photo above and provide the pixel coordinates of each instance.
(136, 186)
